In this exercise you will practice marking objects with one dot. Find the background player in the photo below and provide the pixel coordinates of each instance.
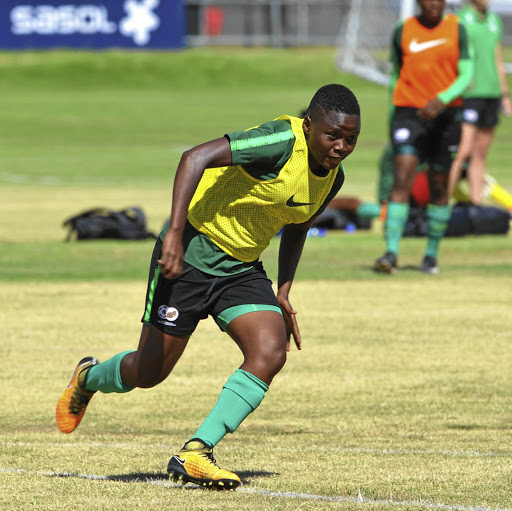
(431, 69)
(483, 100)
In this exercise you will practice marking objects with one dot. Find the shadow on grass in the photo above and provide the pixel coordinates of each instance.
(149, 477)
(405, 267)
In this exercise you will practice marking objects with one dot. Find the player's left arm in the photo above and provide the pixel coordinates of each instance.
(465, 69)
(293, 238)
(505, 91)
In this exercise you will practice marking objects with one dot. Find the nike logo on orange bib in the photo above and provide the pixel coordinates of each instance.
(416, 47)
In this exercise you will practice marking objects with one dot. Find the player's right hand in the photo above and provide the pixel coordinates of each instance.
(431, 109)
(171, 258)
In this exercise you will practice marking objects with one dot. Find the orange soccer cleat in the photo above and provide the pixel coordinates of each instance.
(74, 400)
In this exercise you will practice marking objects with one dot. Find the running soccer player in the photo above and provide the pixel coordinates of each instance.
(231, 196)
(485, 97)
(431, 69)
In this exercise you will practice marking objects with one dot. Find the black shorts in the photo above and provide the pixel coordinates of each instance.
(435, 141)
(481, 112)
(176, 306)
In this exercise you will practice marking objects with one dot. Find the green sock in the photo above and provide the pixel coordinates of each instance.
(242, 394)
(396, 218)
(437, 223)
(368, 210)
(106, 377)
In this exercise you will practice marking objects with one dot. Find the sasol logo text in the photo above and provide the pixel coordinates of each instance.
(62, 19)
(138, 23)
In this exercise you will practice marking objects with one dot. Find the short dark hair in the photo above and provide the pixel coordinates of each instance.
(335, 97)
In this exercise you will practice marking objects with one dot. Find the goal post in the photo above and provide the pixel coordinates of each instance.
(363, 41)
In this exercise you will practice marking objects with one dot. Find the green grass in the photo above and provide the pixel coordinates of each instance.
(339, 256)
(400, 398)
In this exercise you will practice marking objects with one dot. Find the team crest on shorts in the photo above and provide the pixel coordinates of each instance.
(470, 115)
(402, 134)
(168, 315)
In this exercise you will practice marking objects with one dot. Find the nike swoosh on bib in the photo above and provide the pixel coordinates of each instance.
(416, 47)
(292, 204)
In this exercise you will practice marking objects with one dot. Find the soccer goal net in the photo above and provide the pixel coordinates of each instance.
(365, 37)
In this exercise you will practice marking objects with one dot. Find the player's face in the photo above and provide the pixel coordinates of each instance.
(480, 5)
(331, 137)
(432, 11)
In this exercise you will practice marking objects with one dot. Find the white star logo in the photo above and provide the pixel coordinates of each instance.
(140, 20)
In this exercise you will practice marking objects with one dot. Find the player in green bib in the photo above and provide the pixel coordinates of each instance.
(487, 94)
(231, 196)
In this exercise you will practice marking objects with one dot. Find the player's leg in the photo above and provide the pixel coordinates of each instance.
(250, 314)
(162, 342)
(261, 336)
(397, 211)
(407, 132)
(386, 174)
(356, 207)
(463, 154)
(476, 169)
(438, 216)
(156, 356)
(444, 138)
(154, 359)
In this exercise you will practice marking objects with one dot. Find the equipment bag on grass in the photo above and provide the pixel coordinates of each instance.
(126, 224)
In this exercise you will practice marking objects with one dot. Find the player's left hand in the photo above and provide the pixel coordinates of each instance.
(506, 106)
(290, 320)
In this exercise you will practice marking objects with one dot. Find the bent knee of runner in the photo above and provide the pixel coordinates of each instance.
(144, 376)
(148, 381)
(268, 361)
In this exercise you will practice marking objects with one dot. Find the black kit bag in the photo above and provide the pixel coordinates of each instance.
(489, 220)
(102, 223)
(460, 223)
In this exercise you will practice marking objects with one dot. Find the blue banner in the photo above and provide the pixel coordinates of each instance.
(92, 24)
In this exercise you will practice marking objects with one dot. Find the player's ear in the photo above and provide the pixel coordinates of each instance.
(306, 124)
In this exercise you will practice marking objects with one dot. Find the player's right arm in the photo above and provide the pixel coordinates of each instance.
(396, 65)
(216, 153)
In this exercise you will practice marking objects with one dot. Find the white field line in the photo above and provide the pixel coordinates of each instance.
(348, 450)
(285, 495)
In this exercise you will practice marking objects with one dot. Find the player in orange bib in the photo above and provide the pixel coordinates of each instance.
(431, 69)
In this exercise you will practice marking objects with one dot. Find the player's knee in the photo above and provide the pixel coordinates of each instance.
(274, 357)
(148, 379)
(438, 192)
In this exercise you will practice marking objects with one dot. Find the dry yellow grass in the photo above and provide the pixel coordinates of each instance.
(401, 394)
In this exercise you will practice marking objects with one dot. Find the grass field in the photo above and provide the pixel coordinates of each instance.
(401, 397)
